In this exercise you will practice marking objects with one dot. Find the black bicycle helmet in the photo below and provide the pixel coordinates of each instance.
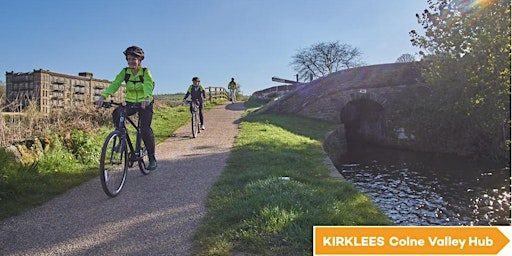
(195, 78)
(134, 50)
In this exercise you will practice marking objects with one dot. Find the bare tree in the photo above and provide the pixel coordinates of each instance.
(2, 92)
(324, 58)
(406, 57)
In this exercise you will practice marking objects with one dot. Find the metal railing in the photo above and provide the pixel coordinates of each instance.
(213, 93)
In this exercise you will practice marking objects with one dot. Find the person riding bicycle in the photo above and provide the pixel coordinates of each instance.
(139, 91)
(232, 86)
(197, 92)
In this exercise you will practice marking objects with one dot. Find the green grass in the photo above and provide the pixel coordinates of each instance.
(166, 121)
(172, 100)
(252, 210)
(23, 187)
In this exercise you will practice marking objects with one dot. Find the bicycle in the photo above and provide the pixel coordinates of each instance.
(232, 95)
(118, 152)
(195, 120)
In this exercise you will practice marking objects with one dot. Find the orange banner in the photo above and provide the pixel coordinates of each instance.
(336, 240)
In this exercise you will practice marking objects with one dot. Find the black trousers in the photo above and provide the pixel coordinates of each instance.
(146, 117)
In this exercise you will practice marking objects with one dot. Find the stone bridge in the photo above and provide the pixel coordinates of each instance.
(359, 99)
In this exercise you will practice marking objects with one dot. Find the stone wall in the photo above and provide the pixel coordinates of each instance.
(28, 152)
(335, 144)
(274, 92)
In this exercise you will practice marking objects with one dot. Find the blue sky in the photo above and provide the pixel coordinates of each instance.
(250, 40)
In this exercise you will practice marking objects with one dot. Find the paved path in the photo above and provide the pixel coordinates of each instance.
(155, 214)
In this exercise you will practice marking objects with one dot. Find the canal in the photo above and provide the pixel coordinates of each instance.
(420, 189)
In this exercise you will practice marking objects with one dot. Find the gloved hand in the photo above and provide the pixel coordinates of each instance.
(145, 103)
(184, 102)
(100, 101)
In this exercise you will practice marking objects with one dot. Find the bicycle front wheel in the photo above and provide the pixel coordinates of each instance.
(195, 124)
(113, 163)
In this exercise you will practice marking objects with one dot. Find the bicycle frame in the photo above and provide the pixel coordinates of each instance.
(123, 117)
(194, 106)
(232, 95)
(194, 111)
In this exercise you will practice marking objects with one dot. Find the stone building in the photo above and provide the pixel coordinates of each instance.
(52, 91)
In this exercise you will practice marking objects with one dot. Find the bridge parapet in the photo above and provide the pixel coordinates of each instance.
(325, 97)
(275, 91)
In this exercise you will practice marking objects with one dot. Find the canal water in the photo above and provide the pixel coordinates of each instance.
(420, 189)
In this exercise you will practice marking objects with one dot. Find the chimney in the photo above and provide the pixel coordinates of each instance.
(85, 74)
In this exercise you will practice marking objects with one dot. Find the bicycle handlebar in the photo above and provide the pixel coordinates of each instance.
(108, 104)
(190, 101)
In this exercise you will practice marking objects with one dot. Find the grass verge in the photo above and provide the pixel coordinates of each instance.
(26, 186)
(253, 210)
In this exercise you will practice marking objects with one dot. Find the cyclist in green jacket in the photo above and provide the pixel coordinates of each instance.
(197, 92)
(233, 87)
(139, 91)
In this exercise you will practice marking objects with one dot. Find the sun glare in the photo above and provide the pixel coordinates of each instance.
(481, 3)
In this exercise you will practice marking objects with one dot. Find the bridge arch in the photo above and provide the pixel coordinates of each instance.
(363, 117)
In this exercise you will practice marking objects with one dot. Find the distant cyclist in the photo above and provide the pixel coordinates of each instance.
(197, 92)
(233, 87)
(139, 90)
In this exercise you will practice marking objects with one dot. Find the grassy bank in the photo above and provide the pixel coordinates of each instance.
(64, 166)
(252, 209)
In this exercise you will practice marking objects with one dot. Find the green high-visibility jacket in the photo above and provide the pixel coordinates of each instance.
(232, 85)
(138, 87)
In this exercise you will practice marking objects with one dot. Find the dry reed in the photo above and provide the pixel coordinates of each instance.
(31, 123)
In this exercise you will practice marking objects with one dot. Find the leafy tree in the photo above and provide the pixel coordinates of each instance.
(466, 53)
(405, 58)
(324, 58)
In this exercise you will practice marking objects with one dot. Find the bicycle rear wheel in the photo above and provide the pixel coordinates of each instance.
(113, 163)
(232, 96)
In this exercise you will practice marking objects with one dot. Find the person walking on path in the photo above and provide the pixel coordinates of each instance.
(196, 92)
(233, 87)
(155, 215)
(139, 92)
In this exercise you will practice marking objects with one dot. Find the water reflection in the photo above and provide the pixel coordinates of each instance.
(427, 189)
